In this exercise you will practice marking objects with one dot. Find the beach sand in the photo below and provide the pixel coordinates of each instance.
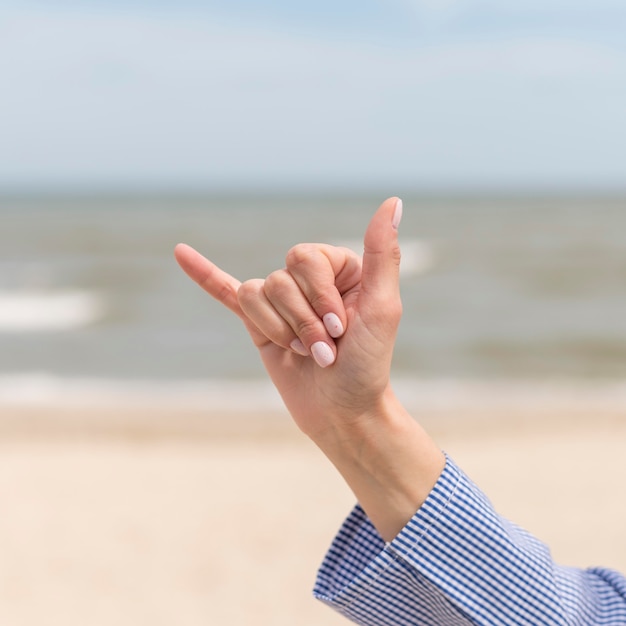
(154, 517)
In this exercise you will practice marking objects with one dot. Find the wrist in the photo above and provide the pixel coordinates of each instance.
(364, 433)
(387, 459)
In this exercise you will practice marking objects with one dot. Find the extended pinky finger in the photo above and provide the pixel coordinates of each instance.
(217, 283)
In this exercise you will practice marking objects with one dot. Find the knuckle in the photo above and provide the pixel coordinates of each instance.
(312, 272)
(300, 254)
(277, 284)
(248, 291)
(309, 330)
(225, 293)
(396, 254)
(321, 303)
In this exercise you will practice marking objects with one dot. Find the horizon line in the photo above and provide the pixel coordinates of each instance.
(245, 191)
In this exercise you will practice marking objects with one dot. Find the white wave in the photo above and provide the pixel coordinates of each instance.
(223, 396)
(40, 389)
(557, 395)
(417, 255)
(39, 311)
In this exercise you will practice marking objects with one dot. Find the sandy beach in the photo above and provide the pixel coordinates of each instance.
(154, 517)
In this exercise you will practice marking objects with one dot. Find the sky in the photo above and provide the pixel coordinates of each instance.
(231, 95)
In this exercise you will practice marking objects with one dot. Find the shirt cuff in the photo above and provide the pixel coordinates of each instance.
(358, 555)
(455, 554)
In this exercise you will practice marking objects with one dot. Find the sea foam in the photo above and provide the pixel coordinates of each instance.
(42, 389)
(24, 311)
(224, 396)
(418, 256)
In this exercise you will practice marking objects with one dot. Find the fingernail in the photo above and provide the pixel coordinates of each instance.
(333, 325)
(297, 346)
(397, 216)
(322, 353)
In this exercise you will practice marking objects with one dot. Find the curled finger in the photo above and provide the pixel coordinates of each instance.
(291, 303)
(324, 274)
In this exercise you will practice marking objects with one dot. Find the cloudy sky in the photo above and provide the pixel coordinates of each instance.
(355, 93)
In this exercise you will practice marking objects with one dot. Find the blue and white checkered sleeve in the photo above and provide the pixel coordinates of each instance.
(458, 562)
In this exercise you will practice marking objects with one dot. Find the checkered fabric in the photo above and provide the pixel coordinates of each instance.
(457, 562)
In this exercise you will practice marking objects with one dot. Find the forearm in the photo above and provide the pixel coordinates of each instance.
(387, 459)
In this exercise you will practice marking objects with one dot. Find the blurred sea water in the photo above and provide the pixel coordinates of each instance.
(494, 288)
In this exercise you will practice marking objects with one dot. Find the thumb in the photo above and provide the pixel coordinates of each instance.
(381, 258)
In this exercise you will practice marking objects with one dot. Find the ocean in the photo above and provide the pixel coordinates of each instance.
(497, 290)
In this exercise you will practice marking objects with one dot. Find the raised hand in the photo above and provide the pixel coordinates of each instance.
(325, 326)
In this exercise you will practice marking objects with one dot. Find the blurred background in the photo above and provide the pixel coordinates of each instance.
(243, 128)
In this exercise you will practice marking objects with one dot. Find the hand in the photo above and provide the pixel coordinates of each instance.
(303, 308)
(325, 327)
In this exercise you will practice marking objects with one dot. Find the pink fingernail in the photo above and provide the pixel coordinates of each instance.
(323, 354)
(397, 216)
(297, 346)
(333, 325)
